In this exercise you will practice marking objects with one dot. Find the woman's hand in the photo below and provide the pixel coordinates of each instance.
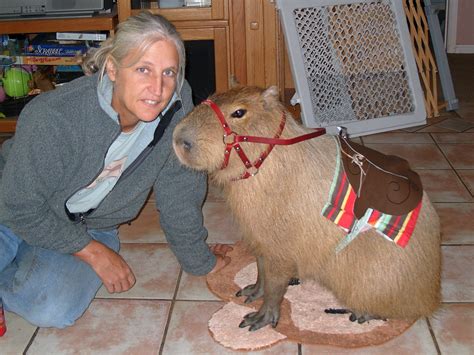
(220, 251)
(108, 265)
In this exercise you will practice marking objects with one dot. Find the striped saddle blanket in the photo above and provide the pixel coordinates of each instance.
(340, 210)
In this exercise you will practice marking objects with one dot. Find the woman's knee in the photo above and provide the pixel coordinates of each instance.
(9, 244)
(52, 314)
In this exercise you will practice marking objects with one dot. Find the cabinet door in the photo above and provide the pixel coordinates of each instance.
(221, 50)
(256, 39)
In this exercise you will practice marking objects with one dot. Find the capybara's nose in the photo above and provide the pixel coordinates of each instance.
(187, 145)
(183, 143)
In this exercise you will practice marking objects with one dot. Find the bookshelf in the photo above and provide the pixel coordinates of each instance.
(102, 22)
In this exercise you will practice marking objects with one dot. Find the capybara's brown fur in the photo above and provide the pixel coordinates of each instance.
(279, 213)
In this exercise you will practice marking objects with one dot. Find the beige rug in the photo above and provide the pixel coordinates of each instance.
(302, 320)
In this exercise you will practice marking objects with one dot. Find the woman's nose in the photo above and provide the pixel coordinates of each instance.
(156, 86)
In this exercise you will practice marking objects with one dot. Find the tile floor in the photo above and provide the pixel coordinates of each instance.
(167, 310)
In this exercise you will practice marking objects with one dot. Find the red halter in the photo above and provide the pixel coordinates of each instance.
(252, 168)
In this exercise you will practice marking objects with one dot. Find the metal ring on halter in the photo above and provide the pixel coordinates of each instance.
(226, 136)
(252, 170)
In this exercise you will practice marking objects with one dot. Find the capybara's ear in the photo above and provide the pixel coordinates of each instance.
(270, 97)
(234, 83)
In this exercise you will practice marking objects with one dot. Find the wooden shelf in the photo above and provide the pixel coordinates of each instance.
(218, 11)
(8, 125)
(105, 22)
(202, 13)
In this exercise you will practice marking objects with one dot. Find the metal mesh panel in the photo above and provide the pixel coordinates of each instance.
(354, 61)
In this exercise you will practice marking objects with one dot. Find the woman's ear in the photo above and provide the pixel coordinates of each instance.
(111, 69)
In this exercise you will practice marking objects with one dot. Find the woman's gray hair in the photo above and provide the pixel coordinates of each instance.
(137, 32)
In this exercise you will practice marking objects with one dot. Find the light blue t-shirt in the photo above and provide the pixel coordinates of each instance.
(122, 152)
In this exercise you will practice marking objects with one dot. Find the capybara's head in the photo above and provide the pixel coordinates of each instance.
(198, 139)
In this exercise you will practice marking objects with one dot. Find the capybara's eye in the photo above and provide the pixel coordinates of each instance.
(239, 113)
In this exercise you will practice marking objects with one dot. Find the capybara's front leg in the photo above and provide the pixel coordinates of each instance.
(275, 285)
(255, 290)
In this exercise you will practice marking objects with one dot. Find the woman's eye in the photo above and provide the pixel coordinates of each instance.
(169, 72)
(142, 70)
(239, 113)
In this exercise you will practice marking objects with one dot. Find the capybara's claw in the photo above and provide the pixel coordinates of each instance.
(252, 292)
(257, 320)
(249, 316)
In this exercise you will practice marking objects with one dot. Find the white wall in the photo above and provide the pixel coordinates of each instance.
(460, 26)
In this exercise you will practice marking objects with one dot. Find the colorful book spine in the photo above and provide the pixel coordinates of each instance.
(78, 36)
(38, 60)
(54, 50)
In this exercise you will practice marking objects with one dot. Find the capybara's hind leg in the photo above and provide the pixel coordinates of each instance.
(360, 318)
(255, 290)
(276, 284)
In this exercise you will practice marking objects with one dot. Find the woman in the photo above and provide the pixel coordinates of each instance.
(83, 161)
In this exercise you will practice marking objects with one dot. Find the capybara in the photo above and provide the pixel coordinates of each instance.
(279, 209)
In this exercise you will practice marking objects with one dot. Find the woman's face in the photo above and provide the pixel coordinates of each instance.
(142, 90)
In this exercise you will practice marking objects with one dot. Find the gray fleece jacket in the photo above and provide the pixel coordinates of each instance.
(59, 147)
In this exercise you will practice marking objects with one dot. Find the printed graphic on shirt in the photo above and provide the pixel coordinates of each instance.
(113, 170)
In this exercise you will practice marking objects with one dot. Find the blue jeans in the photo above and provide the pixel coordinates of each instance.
(47, 288)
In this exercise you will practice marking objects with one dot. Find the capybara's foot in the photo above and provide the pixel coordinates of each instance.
(257, 320)
(252, 292)
(362, 318)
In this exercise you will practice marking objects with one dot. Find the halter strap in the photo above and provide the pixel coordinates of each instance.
(252, 168)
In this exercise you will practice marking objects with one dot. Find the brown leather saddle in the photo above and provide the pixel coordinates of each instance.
(388, 184)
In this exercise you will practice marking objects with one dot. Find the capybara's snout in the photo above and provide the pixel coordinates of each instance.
(183, 143)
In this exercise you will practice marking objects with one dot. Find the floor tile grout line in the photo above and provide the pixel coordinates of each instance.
(454, 169)
(433, 336)
(168, 321)
(32, 339)
(457, 244)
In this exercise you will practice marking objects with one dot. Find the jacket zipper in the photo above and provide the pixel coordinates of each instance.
(159, 131)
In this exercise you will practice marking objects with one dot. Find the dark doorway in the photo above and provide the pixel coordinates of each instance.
(200, 68)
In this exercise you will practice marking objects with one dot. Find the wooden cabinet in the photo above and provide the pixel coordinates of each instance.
(247, 38)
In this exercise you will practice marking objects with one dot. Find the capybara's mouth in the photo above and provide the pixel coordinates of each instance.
(193, 153)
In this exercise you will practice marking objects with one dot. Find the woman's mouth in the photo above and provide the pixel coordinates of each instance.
(151, 102)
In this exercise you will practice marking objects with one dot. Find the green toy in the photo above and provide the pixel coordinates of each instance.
(15, 82)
